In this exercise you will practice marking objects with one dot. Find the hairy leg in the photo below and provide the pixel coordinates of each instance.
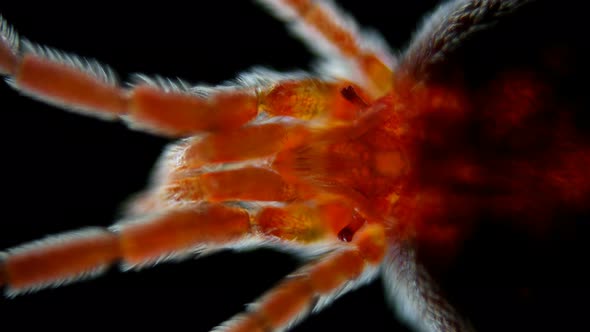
(335, 36)
(169, 107)
(314, 286)
(71, 256)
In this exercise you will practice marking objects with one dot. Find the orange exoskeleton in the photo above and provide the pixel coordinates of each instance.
(375, 165)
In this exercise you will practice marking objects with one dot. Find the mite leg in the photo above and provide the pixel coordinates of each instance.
(183, 111)
(333, 34)
(313, 286)
(139, 241)
(167, 107)
(245, 143)
(178, 232)
(244, 184)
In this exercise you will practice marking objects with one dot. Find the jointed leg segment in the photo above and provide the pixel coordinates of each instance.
(326, 29)
(305, 290)
(170, 109)
(178, 231)
(246, 184)
(140, 241)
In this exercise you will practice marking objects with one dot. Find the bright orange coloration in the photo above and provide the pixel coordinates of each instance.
(321, 19)
(296, 293)
(292, 297)
(175, 231)
(296, 223)
(58, 259)
(255, 184)
(310, 99)
(368, 173)
(59, 82)
(190, 114)
(328, 275)
(371, 243)
(248, 142)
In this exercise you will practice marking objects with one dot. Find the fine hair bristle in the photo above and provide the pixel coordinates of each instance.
(169, 85)
(89, 66)
(52, 240)
(9, 36)
(12, 292)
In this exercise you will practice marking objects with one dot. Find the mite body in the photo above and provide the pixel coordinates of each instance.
(459, 162)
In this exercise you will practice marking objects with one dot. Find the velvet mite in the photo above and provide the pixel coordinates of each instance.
(477, 127)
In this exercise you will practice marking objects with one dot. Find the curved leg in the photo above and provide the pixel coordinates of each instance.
(314, 286)
(326, 29)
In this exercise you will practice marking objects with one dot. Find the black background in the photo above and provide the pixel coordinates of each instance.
(62, 171)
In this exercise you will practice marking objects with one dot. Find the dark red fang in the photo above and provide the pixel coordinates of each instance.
(347, 233)
(350, 94)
